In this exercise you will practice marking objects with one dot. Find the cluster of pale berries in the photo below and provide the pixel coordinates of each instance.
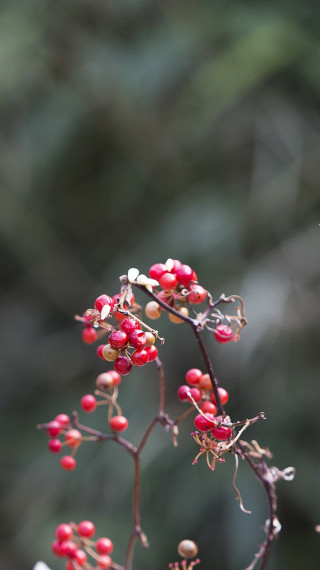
(75, 542)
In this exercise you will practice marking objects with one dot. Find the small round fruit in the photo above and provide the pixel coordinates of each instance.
(103, 300)
(104, 562)
(183, 311)
(119, 423)
(109, 353)
(104, 381)
(63, 532)
(153, 310)
(123, 365)
(221, 433)
(86, 528)
(63, 419)
(68, 462)
(99, 351)
(88, 403)
(184, 392)
(54, 445)
(138, 339)
(80, 556)
(56, 548)
(193, 376)
(104, 545)
(54, 428)
(73, 437)
(152, 352)
(115, 376)
(128, 325)
(187, 549)
(140, 357)
(168, 281)
(184, 275)
(68, 548)
(151, 339)
(157, 270)
(224, 396)
(118, 339)
(205, 382)
(204, 423)
(89, 335)
(197, 294)
(223, 333)
(208, 407)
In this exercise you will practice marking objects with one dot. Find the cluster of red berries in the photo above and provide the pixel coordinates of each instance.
(106, 382)
(72, 438)
(199, 389)
(179, 284)
(74, 542)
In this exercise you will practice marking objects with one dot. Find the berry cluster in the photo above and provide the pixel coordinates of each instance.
(75, 542)
(199, 389)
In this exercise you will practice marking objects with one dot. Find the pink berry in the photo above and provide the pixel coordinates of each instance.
(68, 462)
(115, 377)
(89, 335)
(104, 562)
(168, 281)
(197, 294)
(184, 275)
(68, 548)
(56, 548)
(86, 528)
(128, 325)
(193, 376)
(104, 545)
(73, 437)
(88, 403)
(152, 352)
(184, 391)
(224, 396)
(54, 445)
(99, 351)
(157, 270)
(139, 357)
(80, 556)
(208, 407)
(63, 419)
(54, 428)
(119, 423)
(122, 365)
(223, 333)
(204, 423)
(222, 433)
(118, 339)
(103, 300)
(63, 532)
(138, 339)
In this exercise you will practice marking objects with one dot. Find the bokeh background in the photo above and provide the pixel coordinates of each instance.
(133, 131)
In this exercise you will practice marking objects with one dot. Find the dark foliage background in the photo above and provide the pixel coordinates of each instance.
(134, 131)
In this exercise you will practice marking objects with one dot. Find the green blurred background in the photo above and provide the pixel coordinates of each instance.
(133, 131)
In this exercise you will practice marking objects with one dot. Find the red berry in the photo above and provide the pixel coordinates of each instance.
(119, 423)
(104, 381)
(103, 300)
(63, 419)
(54, 428)
(68, 548)
(176, 264)
(184, 391)
(104, 545)
(138, 339)
(193, 376)
(70, 565)
(73, 437)
(63, 532)
(157, 270)
(224, 396)
(54, 445)
(104, 562)
(223, 333)
(99, 351)
(168, 281)
(80, 556)
(115, 377)
(204, 423)
(152, 352)
(68, 462)
(208, 407)
(56, 548)
(128, 325)
(86, 528)
(118, 339)
(139, 357)
(205, 382)
(222, 433)
(122, 365)
(184, 275)
(197, 294)
(89, 335)
(88, 403)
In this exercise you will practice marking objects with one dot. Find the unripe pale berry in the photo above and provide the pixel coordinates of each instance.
(116, 377)
(187, 549)
(151, 339)
(110, 353)
(183, 311)
(86, 528)
(88, 403)
(73, 437)
(104, 381)
(104, 562)
(153, 310)
(223, 333)
(119, 423)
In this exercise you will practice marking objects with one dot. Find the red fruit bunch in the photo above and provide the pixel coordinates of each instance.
(75, 543)
(199, 387)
